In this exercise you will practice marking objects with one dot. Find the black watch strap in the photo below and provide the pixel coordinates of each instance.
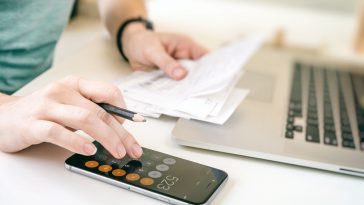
(119, 35)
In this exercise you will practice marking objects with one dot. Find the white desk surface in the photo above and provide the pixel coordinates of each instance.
(37, 175)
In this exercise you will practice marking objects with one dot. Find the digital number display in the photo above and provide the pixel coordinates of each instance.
(167, 183)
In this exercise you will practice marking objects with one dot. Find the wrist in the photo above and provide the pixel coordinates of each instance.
(128, 28)
(134, 28)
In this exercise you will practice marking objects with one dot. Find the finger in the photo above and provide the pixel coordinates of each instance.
(138, 66)
(89, 122)
(133, 149)
(183, 47)
(54, 133)
(165, 62)
(182, 54)
(197, 51)
(76, 99)
(97, 91)
(170, 46)
(131, 146)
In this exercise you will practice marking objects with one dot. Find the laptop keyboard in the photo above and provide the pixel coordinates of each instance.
(329, 124)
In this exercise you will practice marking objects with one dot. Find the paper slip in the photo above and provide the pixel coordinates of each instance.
(234, 100)
(207, 93)
(227, 110)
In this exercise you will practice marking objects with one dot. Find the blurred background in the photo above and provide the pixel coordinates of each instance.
(346, 6)
(328, 25)
(88, 7)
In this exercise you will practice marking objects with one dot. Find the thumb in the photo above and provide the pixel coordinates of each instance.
(169, 65)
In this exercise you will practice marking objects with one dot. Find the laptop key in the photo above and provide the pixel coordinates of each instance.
(312, 134)
(312, 110)
(346, 129)
(289, 134)
(289, 127)
(312, 121)
(290, 120)
(293, 113)
(329, 134)
(347, 136)
(344, 117)
(297, 113)
(330, 138)
(297, 128)
(329, 121)
(327, 107)
(328, 115)
(345, 122)
(312, 102)
(312, 115)
(348, 143)
(329, 127)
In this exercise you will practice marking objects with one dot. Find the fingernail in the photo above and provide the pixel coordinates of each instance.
(178, 72)
(121, 150)
(137, 150)
(90, 149)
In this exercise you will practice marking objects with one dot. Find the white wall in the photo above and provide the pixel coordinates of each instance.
(337, 5)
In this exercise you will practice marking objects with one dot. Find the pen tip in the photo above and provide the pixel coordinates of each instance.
(139, 118)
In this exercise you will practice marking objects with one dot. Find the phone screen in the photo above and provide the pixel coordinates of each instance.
(157, 172)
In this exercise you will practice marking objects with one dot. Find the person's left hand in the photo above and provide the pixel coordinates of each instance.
(146, 49)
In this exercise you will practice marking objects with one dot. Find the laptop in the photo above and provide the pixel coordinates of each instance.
(302, 109)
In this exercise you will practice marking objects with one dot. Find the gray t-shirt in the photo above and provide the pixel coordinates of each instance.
(29, 31)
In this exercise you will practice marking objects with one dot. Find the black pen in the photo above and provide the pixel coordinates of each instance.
(121, 112)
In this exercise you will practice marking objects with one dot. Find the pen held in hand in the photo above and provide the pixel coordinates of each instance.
(121, 112)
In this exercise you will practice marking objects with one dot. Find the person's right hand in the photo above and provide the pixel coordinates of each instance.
(53, 114)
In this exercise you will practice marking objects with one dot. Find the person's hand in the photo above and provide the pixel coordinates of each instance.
(53, 114)
(147, 49)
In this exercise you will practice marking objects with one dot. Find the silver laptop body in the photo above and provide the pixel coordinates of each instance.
(302, 110)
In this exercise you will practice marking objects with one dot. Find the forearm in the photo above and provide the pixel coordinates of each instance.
(114, 12)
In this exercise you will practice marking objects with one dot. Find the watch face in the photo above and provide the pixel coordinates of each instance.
(157, 172)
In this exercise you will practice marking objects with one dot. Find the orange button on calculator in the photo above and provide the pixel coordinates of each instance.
(118, 172)
(147, 181)
(105, 168)
(132, 177)
(91, 164)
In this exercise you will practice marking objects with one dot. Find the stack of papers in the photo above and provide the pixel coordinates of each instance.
(207, 93)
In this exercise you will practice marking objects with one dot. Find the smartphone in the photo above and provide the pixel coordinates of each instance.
(155, 174)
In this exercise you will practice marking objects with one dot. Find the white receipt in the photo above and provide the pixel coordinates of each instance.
(207, 93)
(234, 100)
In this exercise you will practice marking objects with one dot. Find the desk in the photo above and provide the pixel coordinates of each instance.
(37, 175)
